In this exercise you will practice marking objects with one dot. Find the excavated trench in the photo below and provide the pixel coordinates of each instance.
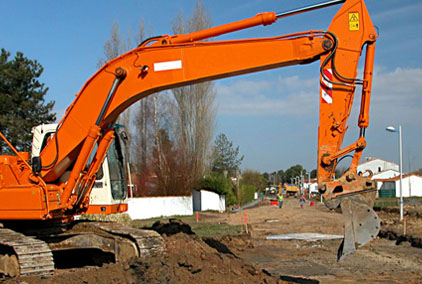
(394, 229)
(400, 238)
(77, 258)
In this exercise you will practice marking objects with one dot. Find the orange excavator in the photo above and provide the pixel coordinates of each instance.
(40, 195)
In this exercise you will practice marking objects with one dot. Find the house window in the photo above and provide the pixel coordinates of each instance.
(379, 169)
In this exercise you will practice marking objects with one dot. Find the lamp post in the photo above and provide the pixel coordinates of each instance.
(392, 129)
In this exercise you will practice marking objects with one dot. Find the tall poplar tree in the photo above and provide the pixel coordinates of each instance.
(195, 108)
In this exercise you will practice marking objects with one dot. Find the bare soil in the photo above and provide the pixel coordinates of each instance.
(382, 261)
(250, 258)
(409, 230)
(188, 259)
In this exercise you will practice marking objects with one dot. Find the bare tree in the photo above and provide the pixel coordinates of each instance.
(159, 162)
(143, 115)
(148, 117)
(140, 114)
(182, 128)
(195, 113)
(114, 47)
(172, 136)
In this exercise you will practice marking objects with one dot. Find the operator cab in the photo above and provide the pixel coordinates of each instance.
(109, 192)
(110, 187)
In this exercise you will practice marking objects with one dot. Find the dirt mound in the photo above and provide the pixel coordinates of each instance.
(173, 226)
(191, 260)
(188, 259)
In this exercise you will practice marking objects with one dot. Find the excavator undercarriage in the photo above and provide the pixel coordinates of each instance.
(34, 251)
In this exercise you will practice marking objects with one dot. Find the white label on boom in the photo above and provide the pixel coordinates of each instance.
(168, 65)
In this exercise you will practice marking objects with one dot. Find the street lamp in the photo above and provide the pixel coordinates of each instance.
(392, 129)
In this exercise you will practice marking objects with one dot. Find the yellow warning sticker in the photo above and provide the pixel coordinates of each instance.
(353, 21)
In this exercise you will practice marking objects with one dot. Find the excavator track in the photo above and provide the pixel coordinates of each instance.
(33, 255)
(122, 241)
(148, 242)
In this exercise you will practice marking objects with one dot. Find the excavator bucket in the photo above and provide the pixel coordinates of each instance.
(361, 223)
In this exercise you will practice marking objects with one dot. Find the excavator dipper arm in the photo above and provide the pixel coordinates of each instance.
(352, 29)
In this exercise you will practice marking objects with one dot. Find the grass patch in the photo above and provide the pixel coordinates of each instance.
(211, 230)
(386, 203)
(202, 229)
(395, 202)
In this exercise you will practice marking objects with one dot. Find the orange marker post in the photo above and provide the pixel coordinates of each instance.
(246, 221)
(404, 226)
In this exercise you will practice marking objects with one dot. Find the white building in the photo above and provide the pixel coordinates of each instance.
(387, 174)
(376, 166)
(412, 186)
(204, 200)
(312, 186)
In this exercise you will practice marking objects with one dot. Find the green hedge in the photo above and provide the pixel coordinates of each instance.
(247, 193)
(219, 184)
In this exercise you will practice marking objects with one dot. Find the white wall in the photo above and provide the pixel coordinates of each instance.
(222, 203)
(412, 186)
(151, 207)
(204, 200)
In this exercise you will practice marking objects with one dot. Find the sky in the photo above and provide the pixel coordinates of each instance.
(272, 115)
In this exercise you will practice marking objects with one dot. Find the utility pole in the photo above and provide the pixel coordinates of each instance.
(392, 129)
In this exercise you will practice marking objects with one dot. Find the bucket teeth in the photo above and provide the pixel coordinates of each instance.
(361, 223)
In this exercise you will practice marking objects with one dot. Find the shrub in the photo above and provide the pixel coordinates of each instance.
(219, 184)
(247, 193)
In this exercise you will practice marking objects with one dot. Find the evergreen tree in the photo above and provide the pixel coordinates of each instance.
(22, 103)
(225, 156)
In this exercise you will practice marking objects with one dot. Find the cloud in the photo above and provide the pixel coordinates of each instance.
(394, 12)
(396, 96)
(277, 97)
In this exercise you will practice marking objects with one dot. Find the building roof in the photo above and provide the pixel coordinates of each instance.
(384, 171)
(396, 178)
(370, 159)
